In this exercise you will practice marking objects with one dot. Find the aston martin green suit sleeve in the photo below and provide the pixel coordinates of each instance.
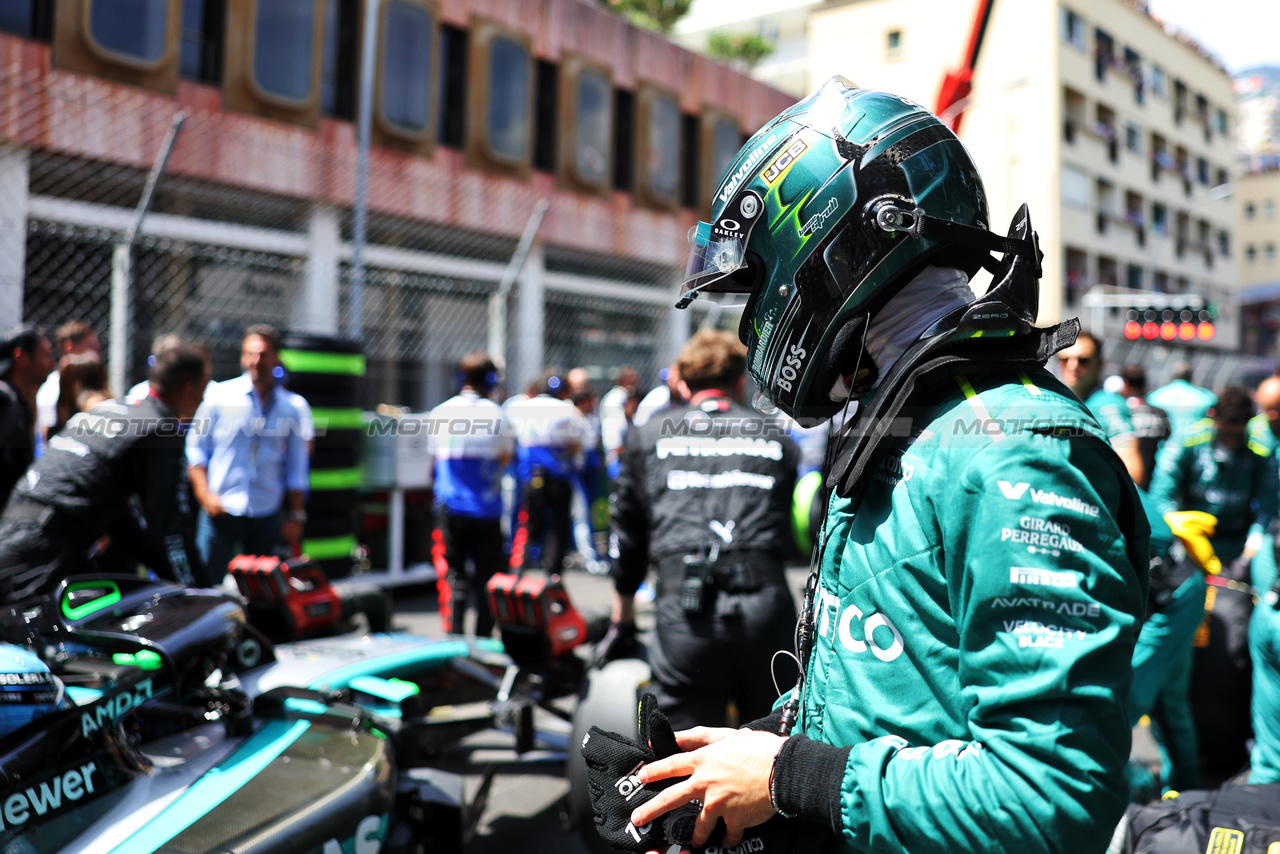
(977, 611)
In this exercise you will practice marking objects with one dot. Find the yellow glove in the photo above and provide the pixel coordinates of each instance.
(1194, 528)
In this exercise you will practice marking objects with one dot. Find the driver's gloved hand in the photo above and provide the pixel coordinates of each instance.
(1238, 570)
(612, 761)
(618, 642)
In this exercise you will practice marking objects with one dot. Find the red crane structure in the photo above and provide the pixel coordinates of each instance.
(953, 94)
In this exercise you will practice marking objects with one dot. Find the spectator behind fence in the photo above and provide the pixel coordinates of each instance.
(26, 358)
(159, 345)
(247, 452)
(82, 385)
(74, 338)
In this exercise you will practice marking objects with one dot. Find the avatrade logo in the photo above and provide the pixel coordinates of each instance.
(747, 167)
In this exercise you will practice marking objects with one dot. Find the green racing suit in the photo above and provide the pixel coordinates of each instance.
(975, 613)
(1237, 486)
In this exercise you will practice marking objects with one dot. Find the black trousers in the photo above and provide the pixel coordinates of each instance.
(474, 550)
(702, 661)
(550, 503)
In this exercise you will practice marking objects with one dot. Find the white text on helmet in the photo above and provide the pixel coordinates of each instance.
(753, 159)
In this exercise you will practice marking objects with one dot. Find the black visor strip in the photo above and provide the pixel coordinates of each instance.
(954, 232)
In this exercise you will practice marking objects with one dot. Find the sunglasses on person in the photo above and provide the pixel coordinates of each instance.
(1079, 360)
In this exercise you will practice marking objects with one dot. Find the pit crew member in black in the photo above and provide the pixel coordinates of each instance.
(704, 493)
(116, 469)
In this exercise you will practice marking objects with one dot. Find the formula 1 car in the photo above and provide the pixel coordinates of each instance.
(181, 728)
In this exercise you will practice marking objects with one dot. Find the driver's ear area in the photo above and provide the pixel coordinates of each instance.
(750, 276)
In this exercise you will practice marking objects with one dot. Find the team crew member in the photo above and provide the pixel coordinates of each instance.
(982, 568)
(1264, 651)
(704, 493)
(1151, 424)
(1081, 370)
(1217, 469)
(471, 443)
(1184, 403)
(550, 432)
(26, 358)
(247, 454)
(117, 470)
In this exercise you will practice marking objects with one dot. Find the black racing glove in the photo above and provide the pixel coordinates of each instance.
(618, 642)
(612, 761)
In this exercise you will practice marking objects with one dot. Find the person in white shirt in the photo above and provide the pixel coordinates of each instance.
(72, 338)
(471, 443)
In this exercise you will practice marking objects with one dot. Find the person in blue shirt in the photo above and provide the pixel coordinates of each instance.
(471, 443)
(550, 432)
(247, 458)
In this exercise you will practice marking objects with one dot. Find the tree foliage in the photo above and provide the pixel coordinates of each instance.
(746, 51)
(657, 15)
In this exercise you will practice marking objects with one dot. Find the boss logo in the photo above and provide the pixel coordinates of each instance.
(792, 363)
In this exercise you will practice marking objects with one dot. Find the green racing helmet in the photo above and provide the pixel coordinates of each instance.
(826, 213)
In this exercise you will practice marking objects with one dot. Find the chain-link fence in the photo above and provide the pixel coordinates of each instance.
(252, 222)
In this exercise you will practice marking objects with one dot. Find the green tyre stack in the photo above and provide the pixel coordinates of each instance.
(329, 372)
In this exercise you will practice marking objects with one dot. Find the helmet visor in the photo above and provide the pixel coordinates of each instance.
(716, 252)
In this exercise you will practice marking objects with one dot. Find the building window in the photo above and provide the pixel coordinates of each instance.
(893, 44)
(1270, 253)
(1202, 171)
(1224, 244)
(407, 59)
(1159, 82)
(16, 16)
(1073, 29)
(1160, 282)
(1104, 53)
(1159, 218)
(136, 31)
(664, 147)
(1075, 188)
(1220, 178)
(1220, 120)
(338, 68)
(1133, 277)
(1250, 210)
(1269, 209)
(508, 120)
(1250, 253)
(594, 125)
(452, 111)
(1132, 138)
(200, 52)
(284, 41)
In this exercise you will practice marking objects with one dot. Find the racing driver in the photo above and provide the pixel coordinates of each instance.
(970, 620)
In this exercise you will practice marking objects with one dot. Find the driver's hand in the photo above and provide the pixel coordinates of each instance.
(212, 505)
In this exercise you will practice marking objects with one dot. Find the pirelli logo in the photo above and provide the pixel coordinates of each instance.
(1033, 577)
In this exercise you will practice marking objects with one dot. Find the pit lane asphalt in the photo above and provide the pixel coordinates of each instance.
(524, 808)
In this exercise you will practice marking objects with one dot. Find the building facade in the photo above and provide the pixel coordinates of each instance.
(490, 119)
(1117, 134)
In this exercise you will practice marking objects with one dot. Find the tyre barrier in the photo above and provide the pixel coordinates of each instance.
(329, 374)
